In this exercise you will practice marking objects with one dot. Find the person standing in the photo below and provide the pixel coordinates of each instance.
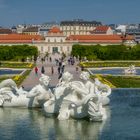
(50, 59)
(42, 60)
(82, 68)
(42, 70)
(36, 70)
(52, 70)
(60, 63)
(77, 69)
(62, 69)
(59, 69)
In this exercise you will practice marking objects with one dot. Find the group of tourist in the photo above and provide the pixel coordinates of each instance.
(61, 66)
(42, 70)
(43, 59)
(71, 61)
(59, 62)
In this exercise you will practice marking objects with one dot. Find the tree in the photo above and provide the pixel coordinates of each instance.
(16, 52)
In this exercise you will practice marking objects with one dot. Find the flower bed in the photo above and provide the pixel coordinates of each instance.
(103, 80)
(18, 78)
(16, 65)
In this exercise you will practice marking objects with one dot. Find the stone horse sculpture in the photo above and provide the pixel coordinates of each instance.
(74, 99)
(11, 96)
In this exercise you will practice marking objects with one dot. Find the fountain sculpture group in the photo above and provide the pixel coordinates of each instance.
(130, 70)
(69, 99)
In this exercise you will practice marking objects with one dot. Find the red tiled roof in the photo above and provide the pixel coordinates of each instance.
(100, 29)
(95, 38)
(128, 37)
(55, 30)
(15, 41)
(19, 38)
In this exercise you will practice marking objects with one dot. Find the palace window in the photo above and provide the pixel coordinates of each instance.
(61, 48)
(42, 49)
(68, 49)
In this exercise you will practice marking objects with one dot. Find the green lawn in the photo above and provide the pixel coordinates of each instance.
(124, 81)
(16, 65)
(109, 64)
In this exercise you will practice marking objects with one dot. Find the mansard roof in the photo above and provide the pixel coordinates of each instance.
(99, 38)
(31, 29)
(79, 22)
(5, 31)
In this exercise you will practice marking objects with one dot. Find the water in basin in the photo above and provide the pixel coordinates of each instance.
(123, 122)
(10, 72)
(113, 71)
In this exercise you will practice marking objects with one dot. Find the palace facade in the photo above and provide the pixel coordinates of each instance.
(78, 27)
(56, 42)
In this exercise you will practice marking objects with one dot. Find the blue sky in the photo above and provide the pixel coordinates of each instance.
(14, 12)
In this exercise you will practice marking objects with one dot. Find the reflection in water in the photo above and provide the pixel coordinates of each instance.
(33, 125)
(123, 122)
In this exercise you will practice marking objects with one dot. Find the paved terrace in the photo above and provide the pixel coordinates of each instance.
(33, 79)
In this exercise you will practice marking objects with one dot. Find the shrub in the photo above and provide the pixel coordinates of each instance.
(17, 52)
(109, 52)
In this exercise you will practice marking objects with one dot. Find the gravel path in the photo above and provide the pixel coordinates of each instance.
(33, 79)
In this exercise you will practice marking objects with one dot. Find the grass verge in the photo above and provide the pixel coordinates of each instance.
(16, 65)
(18, 78)
(109, 64)
(119, 81)
(124, 81)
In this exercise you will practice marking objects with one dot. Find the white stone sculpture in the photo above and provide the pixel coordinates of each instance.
(41, 92)
(103, 91)
(130, 70)
(97, 88)
(11, 96)
(75, 99)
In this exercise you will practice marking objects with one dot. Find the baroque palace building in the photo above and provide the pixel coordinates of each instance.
(78, 27)
(55, 41)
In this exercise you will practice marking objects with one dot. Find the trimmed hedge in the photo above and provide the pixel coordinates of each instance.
(17, 52)
(109, 52)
